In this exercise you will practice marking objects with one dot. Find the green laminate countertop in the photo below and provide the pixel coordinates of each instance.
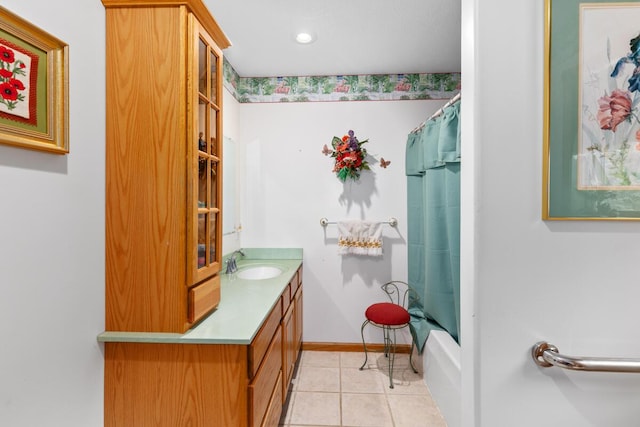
(244, 304)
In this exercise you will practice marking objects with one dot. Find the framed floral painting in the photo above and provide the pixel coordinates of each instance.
(33, 86)
(592, 110)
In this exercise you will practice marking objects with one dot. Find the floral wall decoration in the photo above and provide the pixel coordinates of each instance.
(367, 87)
(609, 144)
(350, 157)
(18, 78)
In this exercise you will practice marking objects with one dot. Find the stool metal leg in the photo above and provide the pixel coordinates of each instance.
(392, 353)
(364, 344)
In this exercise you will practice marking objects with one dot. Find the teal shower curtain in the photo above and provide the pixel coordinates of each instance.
(433, 218)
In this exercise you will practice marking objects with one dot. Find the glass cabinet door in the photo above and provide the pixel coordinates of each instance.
(209, 149)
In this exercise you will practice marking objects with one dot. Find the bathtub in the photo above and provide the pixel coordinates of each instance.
(441, 367)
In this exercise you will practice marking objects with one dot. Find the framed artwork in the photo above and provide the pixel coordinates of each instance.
(33, 87)
(591, 163)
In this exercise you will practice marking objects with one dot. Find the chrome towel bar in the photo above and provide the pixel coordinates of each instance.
(392, 222)
(546, 355)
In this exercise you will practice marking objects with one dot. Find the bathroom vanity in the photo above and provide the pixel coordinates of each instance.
(232, 369)
(185, 345)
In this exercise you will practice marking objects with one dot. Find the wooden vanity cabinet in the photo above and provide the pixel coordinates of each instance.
(199, 385)
(168, 385)
(207, 385)
(163, 164)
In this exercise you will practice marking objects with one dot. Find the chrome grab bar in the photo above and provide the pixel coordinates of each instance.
(546, 355)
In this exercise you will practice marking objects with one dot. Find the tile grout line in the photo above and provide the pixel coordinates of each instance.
(386, 399)
(340, 385)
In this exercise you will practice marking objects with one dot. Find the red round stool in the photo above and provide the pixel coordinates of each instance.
(390, 316)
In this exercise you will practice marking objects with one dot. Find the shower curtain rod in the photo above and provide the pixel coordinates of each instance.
(450, 102)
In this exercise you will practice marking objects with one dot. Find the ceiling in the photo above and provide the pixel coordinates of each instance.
(353, 36)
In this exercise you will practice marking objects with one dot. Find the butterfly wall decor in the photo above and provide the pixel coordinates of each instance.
(350, 157)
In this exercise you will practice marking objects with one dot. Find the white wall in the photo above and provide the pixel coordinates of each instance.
(290, 186)
(231, 241)
(572, 283)
(52, 244)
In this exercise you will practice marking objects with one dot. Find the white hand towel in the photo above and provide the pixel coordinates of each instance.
(360, 237)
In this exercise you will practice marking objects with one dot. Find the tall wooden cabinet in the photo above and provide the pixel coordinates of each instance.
(163, 234)
(163, 164)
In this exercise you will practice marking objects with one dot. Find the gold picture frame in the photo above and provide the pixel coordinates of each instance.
(591, 156)
(34, 89)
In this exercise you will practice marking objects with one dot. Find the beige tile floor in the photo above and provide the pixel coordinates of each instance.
(328, 389)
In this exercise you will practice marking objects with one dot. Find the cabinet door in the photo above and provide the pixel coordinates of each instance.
(297, 339)
(274, 411)
(288, 350)
(264, 383)
(207, 146)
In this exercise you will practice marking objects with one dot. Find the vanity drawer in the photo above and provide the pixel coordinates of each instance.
(203, 298)
(296, 281)
(261, 342)
(262, 387)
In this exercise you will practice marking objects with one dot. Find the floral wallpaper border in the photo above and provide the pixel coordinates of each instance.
(364, 87)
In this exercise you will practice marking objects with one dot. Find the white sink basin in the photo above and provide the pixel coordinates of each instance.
(259, 272)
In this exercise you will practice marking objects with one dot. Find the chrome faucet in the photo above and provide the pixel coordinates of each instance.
(232, 265)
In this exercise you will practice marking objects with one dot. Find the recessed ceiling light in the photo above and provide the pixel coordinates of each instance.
(304, 38)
